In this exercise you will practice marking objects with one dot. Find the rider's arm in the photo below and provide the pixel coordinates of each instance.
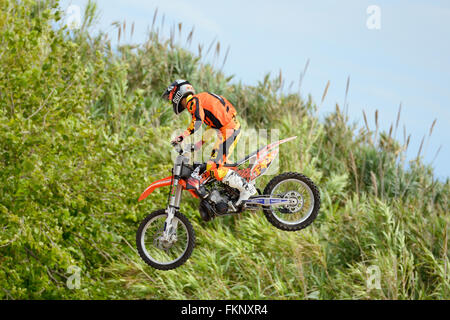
(205, 137)
(198, 115)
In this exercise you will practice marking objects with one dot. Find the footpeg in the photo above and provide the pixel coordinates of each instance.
(231, 205)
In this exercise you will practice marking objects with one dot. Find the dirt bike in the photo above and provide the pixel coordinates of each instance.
(165, 238)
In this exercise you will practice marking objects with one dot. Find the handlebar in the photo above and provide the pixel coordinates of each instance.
(190, 148)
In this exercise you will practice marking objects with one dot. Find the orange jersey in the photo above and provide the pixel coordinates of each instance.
(213, 110)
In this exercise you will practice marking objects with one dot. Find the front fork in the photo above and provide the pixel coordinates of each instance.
(170, 225)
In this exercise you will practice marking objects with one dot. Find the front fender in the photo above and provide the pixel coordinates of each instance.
(163, 183)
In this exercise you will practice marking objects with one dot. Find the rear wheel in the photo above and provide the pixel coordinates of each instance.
(156, 251)
(295, 186)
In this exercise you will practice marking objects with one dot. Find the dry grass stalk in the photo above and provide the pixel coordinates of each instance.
(376, 125)
(280, 81)
(445, 251)
(346, 96)
(398, 119)
(302, 75)
(172, 36)
(210, 46)
(381, 176)
(154, 20)
(374, 183)
(365, 121)
(437, 153)
(338, 112)
(432, 127)
(161, 29)
(189, 37)
(217, 51)
(353, 166)
(429, 136)
(420, 148)
(315, 119)
(225, 57)
(291, 84)
(325, 92)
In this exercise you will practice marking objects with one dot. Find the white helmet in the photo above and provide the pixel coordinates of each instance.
(177, 91)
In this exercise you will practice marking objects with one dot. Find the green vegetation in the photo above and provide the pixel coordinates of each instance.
(83, 132)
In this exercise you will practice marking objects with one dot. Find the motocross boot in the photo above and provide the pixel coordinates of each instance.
(234, 180)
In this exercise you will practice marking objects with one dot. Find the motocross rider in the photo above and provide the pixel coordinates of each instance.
(217, 113)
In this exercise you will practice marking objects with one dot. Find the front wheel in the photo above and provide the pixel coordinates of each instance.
(295, 186)
(156, 251)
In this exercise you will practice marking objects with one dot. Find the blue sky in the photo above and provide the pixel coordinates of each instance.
(406, 61)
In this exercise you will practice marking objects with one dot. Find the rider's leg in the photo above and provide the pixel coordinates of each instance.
(223, 148)
(221, 151)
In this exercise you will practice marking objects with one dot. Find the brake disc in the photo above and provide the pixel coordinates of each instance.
(294, 207)
(163, 244)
